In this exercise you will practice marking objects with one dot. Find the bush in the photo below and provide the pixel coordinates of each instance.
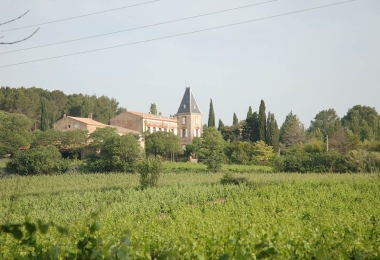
(300, 161)
(117, 153)
(39, 160)
(229, 179)
(149, 170)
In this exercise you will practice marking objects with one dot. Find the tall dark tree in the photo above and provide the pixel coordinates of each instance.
(211, 115)
(272, 133)
(235, 120)
(262, 122)
(250, 129)
(220, 125)
(292, 131)
(153, 109)
(249, 113)
(44, 118)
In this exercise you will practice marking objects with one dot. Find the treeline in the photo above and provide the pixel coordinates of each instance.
(330, 144)
(29, 101)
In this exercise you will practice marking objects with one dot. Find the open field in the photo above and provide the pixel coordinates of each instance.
(190, 215)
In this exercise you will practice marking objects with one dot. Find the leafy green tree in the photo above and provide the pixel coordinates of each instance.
(153, 109)
(38, 160)
(344, 141)
(249, 113)
(262, 153)
(327, 121)
(118, 153)
(162, 144)
(44, 118)
(232, 133)
(220, 124)
(262, 124)
(251, 128)
(150, 170)
(74, 141)
(211, 115)
(240, 152)
(193, 148)
(363, 121)
(15, 132)
(235, 120)
(292, 131)
(50, 137)
(273, 133)
(97, 138)
(212, 149)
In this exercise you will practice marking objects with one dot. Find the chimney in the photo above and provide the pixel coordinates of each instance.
(90, 116)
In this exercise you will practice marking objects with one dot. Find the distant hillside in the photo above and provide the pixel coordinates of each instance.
(28, 101)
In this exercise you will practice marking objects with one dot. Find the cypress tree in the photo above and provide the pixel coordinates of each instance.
(262, 122)
(235, 120)
(220, 125)
(44, 118)
(273, 132)
(249, 113)
(211, 115)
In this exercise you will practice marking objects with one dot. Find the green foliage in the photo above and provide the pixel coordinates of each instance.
(240, 152)
(28, 102)
(235, 120)
(15, 132)
(211, 115)
(220, 124)
(98, 137)
(273, 133)
(363, 121)
(251, 128)
(39, 160)
(327, 122)
(191, 216)
(344, 141)
(149, 170)
(262, 153)
(314, 146)
(162, 144)
(298, 160)
(44, 123)
(232, 133)
(117, 153)
(292, 131)
(193, 148)
(153, 109)
(361, 161)
(262, 125)
(229, 179)
(212, 149)
(49, 137)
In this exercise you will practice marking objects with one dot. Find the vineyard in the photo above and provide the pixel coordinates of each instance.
(191, 216)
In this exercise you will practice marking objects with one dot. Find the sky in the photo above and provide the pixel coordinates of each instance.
(305, 62)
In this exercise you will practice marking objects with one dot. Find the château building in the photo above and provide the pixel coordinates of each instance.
(187, 122)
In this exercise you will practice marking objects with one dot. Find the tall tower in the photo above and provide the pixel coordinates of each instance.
(190, 119)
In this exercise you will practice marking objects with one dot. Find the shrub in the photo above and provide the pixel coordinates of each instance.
(149, 170)
(39, 160)
(229, 179)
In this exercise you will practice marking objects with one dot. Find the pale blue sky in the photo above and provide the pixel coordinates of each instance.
(305, 63)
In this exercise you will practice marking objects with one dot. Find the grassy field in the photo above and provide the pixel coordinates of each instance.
(192, 216)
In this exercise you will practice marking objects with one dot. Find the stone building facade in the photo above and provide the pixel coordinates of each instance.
(187, 122)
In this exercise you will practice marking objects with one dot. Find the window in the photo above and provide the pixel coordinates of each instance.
(196, 120)
(159, 129)
(76, 126)
(184, 133)
(183, 120)
(154, 129)
(196, 132)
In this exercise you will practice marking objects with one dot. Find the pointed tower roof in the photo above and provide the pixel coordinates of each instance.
(188, 103)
